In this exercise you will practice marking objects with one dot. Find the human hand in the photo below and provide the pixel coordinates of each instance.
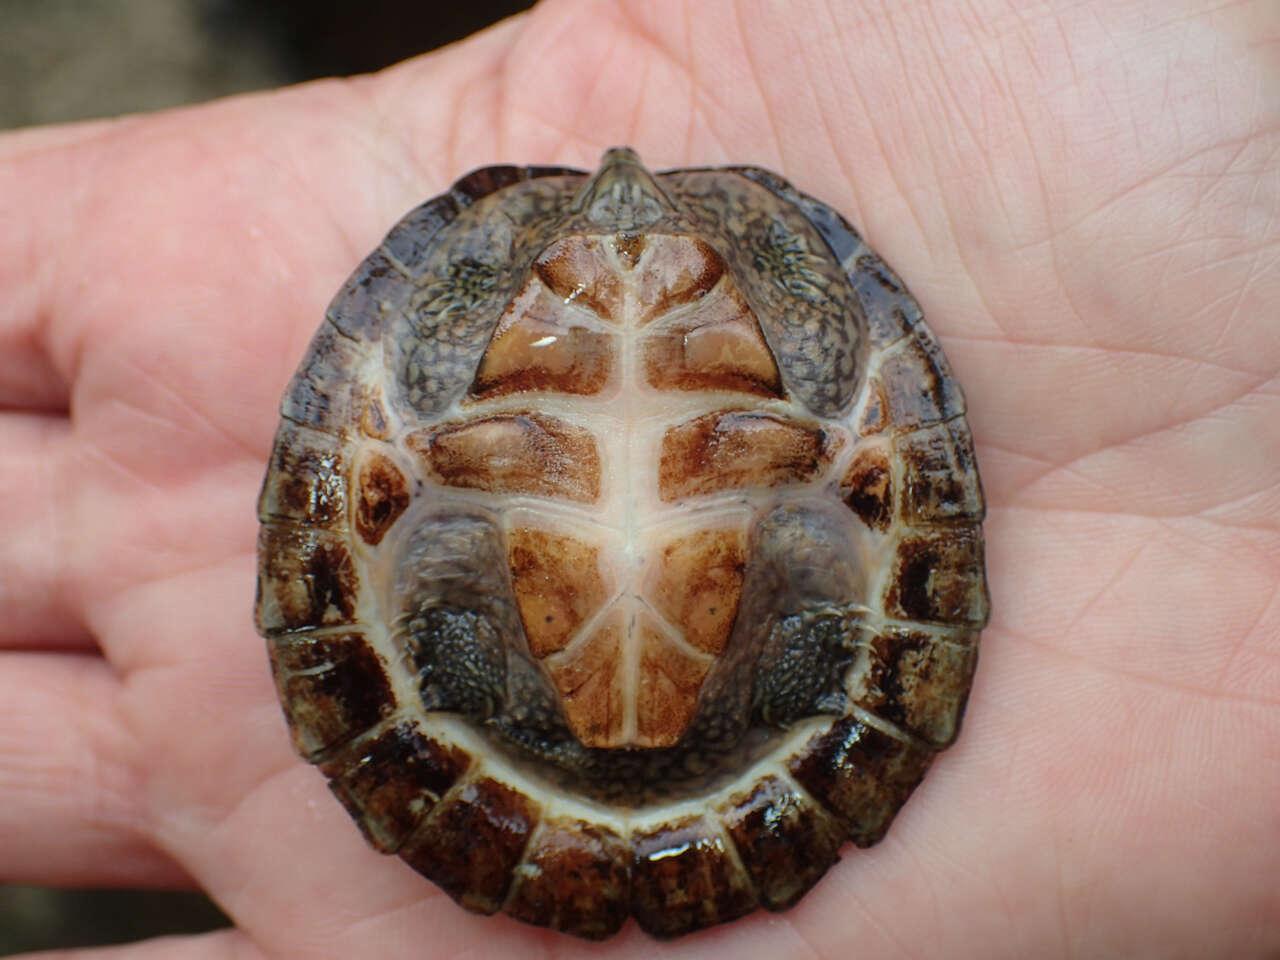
(1083, 198)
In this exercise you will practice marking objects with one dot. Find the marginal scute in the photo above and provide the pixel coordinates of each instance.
(472, 842)
(860, 774)
(410, 241)
(917, 679)
(306, 479)
(389, 783)
(686, 878)
(306, 578)
(480, 183)
(514, 453)
(320, 395)
(575, 877)
(939, 475)
(337, 686)
(891, 311)
(786, 842)
(919, 388)
(379, 287)
(938, 577)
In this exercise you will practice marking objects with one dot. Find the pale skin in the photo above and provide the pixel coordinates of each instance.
(1084, 197)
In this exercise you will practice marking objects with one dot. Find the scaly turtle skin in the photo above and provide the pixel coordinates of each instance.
(621, 547)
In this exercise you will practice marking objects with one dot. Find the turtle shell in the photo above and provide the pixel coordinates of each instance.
(621, 547)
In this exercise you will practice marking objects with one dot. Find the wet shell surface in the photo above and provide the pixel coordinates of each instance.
(621, 548)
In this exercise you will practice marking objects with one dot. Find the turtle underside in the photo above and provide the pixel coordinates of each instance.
(621, 547)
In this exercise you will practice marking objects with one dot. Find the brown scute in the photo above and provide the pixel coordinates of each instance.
(867, 488)
(917, 680)
(536, 170)
(719, 347)
(677, 270)
(321, 392)
(306, 578)
(356, 309)
(938, 576)
(472, 842)
(532, 355)
(557, 585)
(785, 840)
(890, 309)
(939, 476)
(734, 449)
(919, 388)
(483, 181)
(382, 495)
(514, 453)
(577, 269)
(333, 687)
(390, 783)
(667, 687)
(630, 247)
(306, 479)
(576, 878)
(697, 585)
(685, 879)
(587, 677)
(861, 774)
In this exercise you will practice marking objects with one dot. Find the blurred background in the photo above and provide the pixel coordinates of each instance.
(63, 60)
(66, 60)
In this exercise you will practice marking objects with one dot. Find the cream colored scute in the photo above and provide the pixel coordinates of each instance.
(627, 596)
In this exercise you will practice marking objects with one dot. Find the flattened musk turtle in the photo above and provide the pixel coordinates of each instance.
(621, 548)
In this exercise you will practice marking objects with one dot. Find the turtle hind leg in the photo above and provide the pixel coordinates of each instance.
(802, 668)
(459, 660)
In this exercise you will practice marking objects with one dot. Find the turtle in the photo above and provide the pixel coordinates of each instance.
(620, 547)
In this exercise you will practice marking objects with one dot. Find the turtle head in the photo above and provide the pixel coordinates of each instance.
(622, 195)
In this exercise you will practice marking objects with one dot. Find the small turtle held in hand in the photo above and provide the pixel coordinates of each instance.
(621, 548)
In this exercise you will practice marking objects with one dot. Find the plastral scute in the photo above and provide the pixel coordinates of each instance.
(621, 545)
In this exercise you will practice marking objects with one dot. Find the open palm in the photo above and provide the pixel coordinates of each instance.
(1084, 198)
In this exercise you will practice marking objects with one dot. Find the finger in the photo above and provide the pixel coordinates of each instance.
(71, 810)
(32, 167)
(40, 611)
(219, 945)
(96, 242)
